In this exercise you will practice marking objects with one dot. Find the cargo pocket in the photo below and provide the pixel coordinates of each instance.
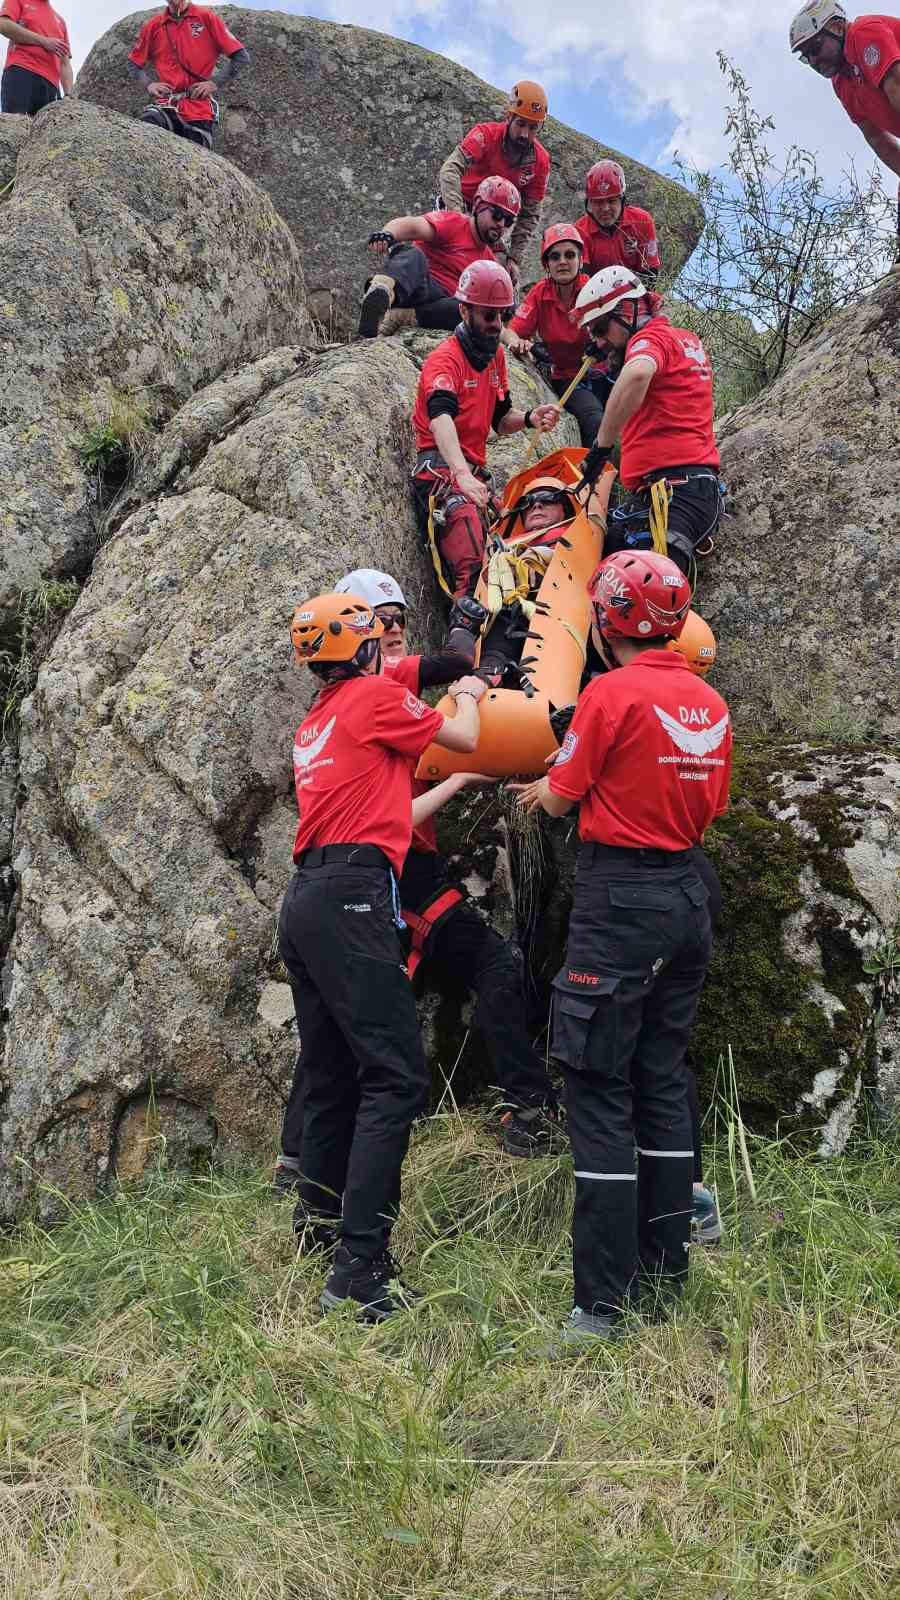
(573, 1017)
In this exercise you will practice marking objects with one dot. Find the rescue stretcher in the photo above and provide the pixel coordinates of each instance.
(516, 734)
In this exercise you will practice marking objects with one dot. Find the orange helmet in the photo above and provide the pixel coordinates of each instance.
(331, 629)
(697, 643)
(528, 101)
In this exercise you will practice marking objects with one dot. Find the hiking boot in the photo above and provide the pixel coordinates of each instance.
(315, 1232)
(285, 1179)
(706, 1224)
(584, 1331)
(378, 298)
(373, 1287)
(532, 1131)
(397, 320)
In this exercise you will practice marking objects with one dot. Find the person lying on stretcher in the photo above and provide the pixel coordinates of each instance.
(513, 574)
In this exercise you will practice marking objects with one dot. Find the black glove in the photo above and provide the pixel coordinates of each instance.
(592, 465)
(382, 237)
(468, 614)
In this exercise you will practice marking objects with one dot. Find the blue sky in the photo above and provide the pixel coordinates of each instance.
(640, 76)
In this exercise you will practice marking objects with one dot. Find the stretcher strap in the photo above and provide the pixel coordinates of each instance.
(660, 495)
(435, 553)
(423, 923)
(510, 578)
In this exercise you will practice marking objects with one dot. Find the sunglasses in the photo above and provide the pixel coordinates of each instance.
(813, 49)
(391, 617)
(562, 255)
(541, 497)
(499, 215)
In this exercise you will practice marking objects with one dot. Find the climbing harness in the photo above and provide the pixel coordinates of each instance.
(422, 924)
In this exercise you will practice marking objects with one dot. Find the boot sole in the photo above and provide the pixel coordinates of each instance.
(376, 302)
(365, 1313)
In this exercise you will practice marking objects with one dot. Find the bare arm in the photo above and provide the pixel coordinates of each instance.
(425, 805)
(410, 228)
(544, 418)
(885, 145)
(450, 180)
(527, 224)
(460, 733)
(19, 35)
(626, 396)
(538, 795)
(66, 76)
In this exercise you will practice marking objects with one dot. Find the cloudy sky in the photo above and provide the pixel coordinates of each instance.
(641, 76)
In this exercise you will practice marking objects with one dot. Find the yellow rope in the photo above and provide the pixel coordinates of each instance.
(586, 363)
(432, 545)
(660, 495)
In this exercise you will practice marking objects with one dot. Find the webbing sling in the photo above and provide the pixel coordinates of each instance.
(432, 546)
(423, 923)
(660, 495)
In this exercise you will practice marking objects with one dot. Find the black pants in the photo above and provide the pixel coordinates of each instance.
(624, 1006)
(195, 132)
(584, 405)
(364, 1072)
(415, 287)
(694, 513)
(465, 953)
(24, 93)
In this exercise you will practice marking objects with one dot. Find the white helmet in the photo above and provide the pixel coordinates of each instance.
(376, 588)
(606, 290)
(815, 16)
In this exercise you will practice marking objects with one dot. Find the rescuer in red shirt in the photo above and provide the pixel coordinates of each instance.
(447, 940)
(647, 759)
(616, 234)
(662, 406)
(365, 1075)
(175, 59)
(548, 313)
(862, 59)
(510, 150)
(463, 393)
(38, 59)
(425, 257)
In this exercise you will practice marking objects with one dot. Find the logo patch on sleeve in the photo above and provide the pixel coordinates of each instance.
(871, 55)
(416, 708)
(567, 749)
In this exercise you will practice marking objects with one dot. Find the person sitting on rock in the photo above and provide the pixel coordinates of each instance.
(862, 59)
(616, 234)
(451, 942)
(662, 406)
(424, 258)
(38, 59)
(463, 393)
(548, 313)
(509, 150)
(181, 45)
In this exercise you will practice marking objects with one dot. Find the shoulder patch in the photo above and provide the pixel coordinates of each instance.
(416, 708)
(567, 749)
(871, 55)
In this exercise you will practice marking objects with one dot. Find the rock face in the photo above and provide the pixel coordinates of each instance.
(153, 845)
(347, 128)
(804, 591)
(134, 271)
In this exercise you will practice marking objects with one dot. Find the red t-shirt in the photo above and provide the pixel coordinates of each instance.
(648, 755)
(477, 392)
(673, 427)
(871, 48)
(354, 755)
(543, 313)
(454, 248)
(633, 244)
(483, 145)
(406, 672)
(39, 17)
(183, 52)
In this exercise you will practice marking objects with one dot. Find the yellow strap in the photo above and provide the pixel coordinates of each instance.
(435, 555)
(660, 495)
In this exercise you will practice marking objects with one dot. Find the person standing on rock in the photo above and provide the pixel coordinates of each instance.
(365, 1077)
(862, 59)
(463, 393)
(647, 759)
(175, 59)
(510, 150)
(662, 406)
(616, 234)
(38, 57)
(425, 257)
(548, 313)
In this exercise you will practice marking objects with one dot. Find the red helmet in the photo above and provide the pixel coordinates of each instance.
(605, 181)
(486, 283)
(498, 192)
(560, 233)
(638, 596)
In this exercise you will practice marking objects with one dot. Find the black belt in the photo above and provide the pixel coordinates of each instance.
(357, 855)
(639, 857)
(679, 475)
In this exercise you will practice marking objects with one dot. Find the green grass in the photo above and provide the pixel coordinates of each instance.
(39, 617)
(177, 1420)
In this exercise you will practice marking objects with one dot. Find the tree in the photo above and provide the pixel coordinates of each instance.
(778, 253)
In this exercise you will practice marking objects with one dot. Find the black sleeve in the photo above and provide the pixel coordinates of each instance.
(442, 403)
(140, 74)
(232, 65)
(445, 667)
(500, 411)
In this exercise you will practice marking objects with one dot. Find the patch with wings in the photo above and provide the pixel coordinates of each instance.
(305, 755)
(693, 741)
